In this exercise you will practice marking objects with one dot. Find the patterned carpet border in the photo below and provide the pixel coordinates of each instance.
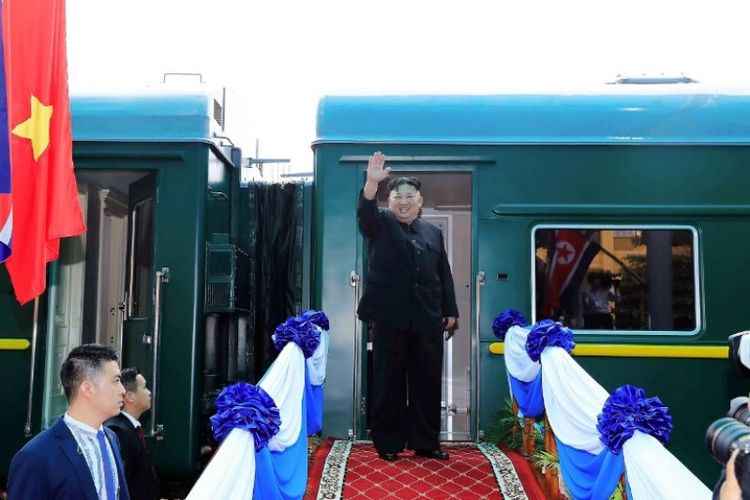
(334, 470)
(505, 473)
(332, 479)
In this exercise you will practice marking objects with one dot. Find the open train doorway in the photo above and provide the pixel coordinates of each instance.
(100, 288)
(448, 205)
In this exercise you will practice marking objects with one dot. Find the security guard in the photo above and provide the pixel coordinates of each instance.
(409, 301)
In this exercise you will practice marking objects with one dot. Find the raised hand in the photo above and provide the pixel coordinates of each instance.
(375, 170)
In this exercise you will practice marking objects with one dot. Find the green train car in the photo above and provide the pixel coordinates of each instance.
(652, 178)
(162, 274)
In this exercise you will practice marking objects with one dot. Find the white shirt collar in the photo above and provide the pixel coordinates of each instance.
(79, 425)
(132, 419)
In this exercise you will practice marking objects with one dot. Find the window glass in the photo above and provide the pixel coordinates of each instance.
(622, 279)
(141, 245)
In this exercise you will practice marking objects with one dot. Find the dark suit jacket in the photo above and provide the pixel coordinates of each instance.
(142, 485)
(50, 467)
(409, 286)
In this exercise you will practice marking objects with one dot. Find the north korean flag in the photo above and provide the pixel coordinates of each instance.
(570, 253)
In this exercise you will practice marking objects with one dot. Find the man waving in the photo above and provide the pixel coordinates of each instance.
(409, 302)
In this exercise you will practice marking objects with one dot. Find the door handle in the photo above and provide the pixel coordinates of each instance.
(479, 283)
(354, 282)
(161, 278)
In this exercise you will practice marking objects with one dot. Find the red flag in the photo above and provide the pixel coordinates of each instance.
(570, 254)
(45, 195)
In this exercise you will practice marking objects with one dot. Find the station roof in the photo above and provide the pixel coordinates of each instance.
(614, 114)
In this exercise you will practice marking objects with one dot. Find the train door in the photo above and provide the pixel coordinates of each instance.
(138, 321)
(65, 314)
(448, 205)
(89, 299)
(502, 281)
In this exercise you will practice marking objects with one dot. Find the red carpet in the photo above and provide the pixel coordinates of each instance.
(527, 475)
(354, 471)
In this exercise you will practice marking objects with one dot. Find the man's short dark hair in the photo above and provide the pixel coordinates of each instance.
(84, 362)
(400, 181)
(127, 378)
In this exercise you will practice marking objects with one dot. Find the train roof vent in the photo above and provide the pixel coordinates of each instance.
(218, 113)
(652, 79)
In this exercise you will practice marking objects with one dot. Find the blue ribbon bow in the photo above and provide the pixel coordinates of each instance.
(628, 410)
(317, 318)
(507, 319)
(248, 407)
(547, 333)
(299, 331)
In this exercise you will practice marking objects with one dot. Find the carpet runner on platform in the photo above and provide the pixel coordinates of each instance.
(354, 471)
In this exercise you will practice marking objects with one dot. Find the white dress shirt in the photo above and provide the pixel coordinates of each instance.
(88, 446)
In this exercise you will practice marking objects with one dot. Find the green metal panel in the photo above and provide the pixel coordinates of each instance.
(501, 248)
(336, 255)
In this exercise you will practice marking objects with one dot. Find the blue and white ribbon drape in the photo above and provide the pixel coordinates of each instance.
(316, 368)
(524, 375)
(578, 407)
(245, 467)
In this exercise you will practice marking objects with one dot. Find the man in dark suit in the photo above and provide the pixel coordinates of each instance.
(409, 301)
(140, 473)
(77, 458)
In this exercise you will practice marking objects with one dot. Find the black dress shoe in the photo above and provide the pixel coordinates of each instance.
(388, 457)
(436, 454)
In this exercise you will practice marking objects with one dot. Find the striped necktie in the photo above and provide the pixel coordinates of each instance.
(109, 478)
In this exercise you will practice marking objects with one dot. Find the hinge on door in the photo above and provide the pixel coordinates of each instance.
(146, 339)
(363, 406)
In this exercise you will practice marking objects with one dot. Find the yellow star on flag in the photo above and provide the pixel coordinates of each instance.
(36, 127)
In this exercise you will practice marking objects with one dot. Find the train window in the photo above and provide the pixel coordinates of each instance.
(141, 244)
(625, 279)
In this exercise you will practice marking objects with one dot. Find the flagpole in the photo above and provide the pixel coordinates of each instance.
(35, 331)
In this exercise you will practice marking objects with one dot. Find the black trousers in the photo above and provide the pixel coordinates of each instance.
(407, 387)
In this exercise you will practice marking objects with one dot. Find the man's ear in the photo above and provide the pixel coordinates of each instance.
(129, 396)
(86, 389)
